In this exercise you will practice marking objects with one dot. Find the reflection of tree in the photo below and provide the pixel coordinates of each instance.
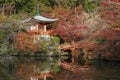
(24, 72)
(36, 68)
(6, 69)
(103, 71)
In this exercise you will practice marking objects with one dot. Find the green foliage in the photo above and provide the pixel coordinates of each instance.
(68, 4)
(56, 39)
(29, 6)
(90, 6)
(49, 46)
(8, 29)
(100, 41)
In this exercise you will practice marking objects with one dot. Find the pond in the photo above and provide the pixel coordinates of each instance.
(48, 68)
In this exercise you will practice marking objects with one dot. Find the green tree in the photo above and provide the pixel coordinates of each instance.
(90, 5)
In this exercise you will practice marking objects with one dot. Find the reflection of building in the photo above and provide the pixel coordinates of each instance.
(30, 72)
(42, 68)
(43, 75)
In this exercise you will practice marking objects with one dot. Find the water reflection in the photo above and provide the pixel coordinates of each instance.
(14, 68)
(54, 68)
(39, 68)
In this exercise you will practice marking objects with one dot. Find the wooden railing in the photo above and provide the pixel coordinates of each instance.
(40, 32)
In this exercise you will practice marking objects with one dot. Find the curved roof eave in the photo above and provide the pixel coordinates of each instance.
(40, 19)
(43, 19)
(27, 20)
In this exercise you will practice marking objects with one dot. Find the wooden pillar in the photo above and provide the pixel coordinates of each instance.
(45, 28)
(37, 26)
(44, 76)
(72, 53)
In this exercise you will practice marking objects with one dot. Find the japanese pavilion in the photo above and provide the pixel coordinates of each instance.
(35, 28)
(39, 25)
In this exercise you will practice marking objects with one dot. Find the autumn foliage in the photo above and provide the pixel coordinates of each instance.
(88, 30)
(97, 31)
(25, 42)
(109, 10)
(109, 44)
(71, 25)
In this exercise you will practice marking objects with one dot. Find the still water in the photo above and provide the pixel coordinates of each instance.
(47, 68)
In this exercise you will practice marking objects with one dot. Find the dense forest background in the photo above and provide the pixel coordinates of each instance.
(92, 24)
(24, 6)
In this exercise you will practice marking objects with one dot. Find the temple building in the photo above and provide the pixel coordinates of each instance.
(38, 25)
